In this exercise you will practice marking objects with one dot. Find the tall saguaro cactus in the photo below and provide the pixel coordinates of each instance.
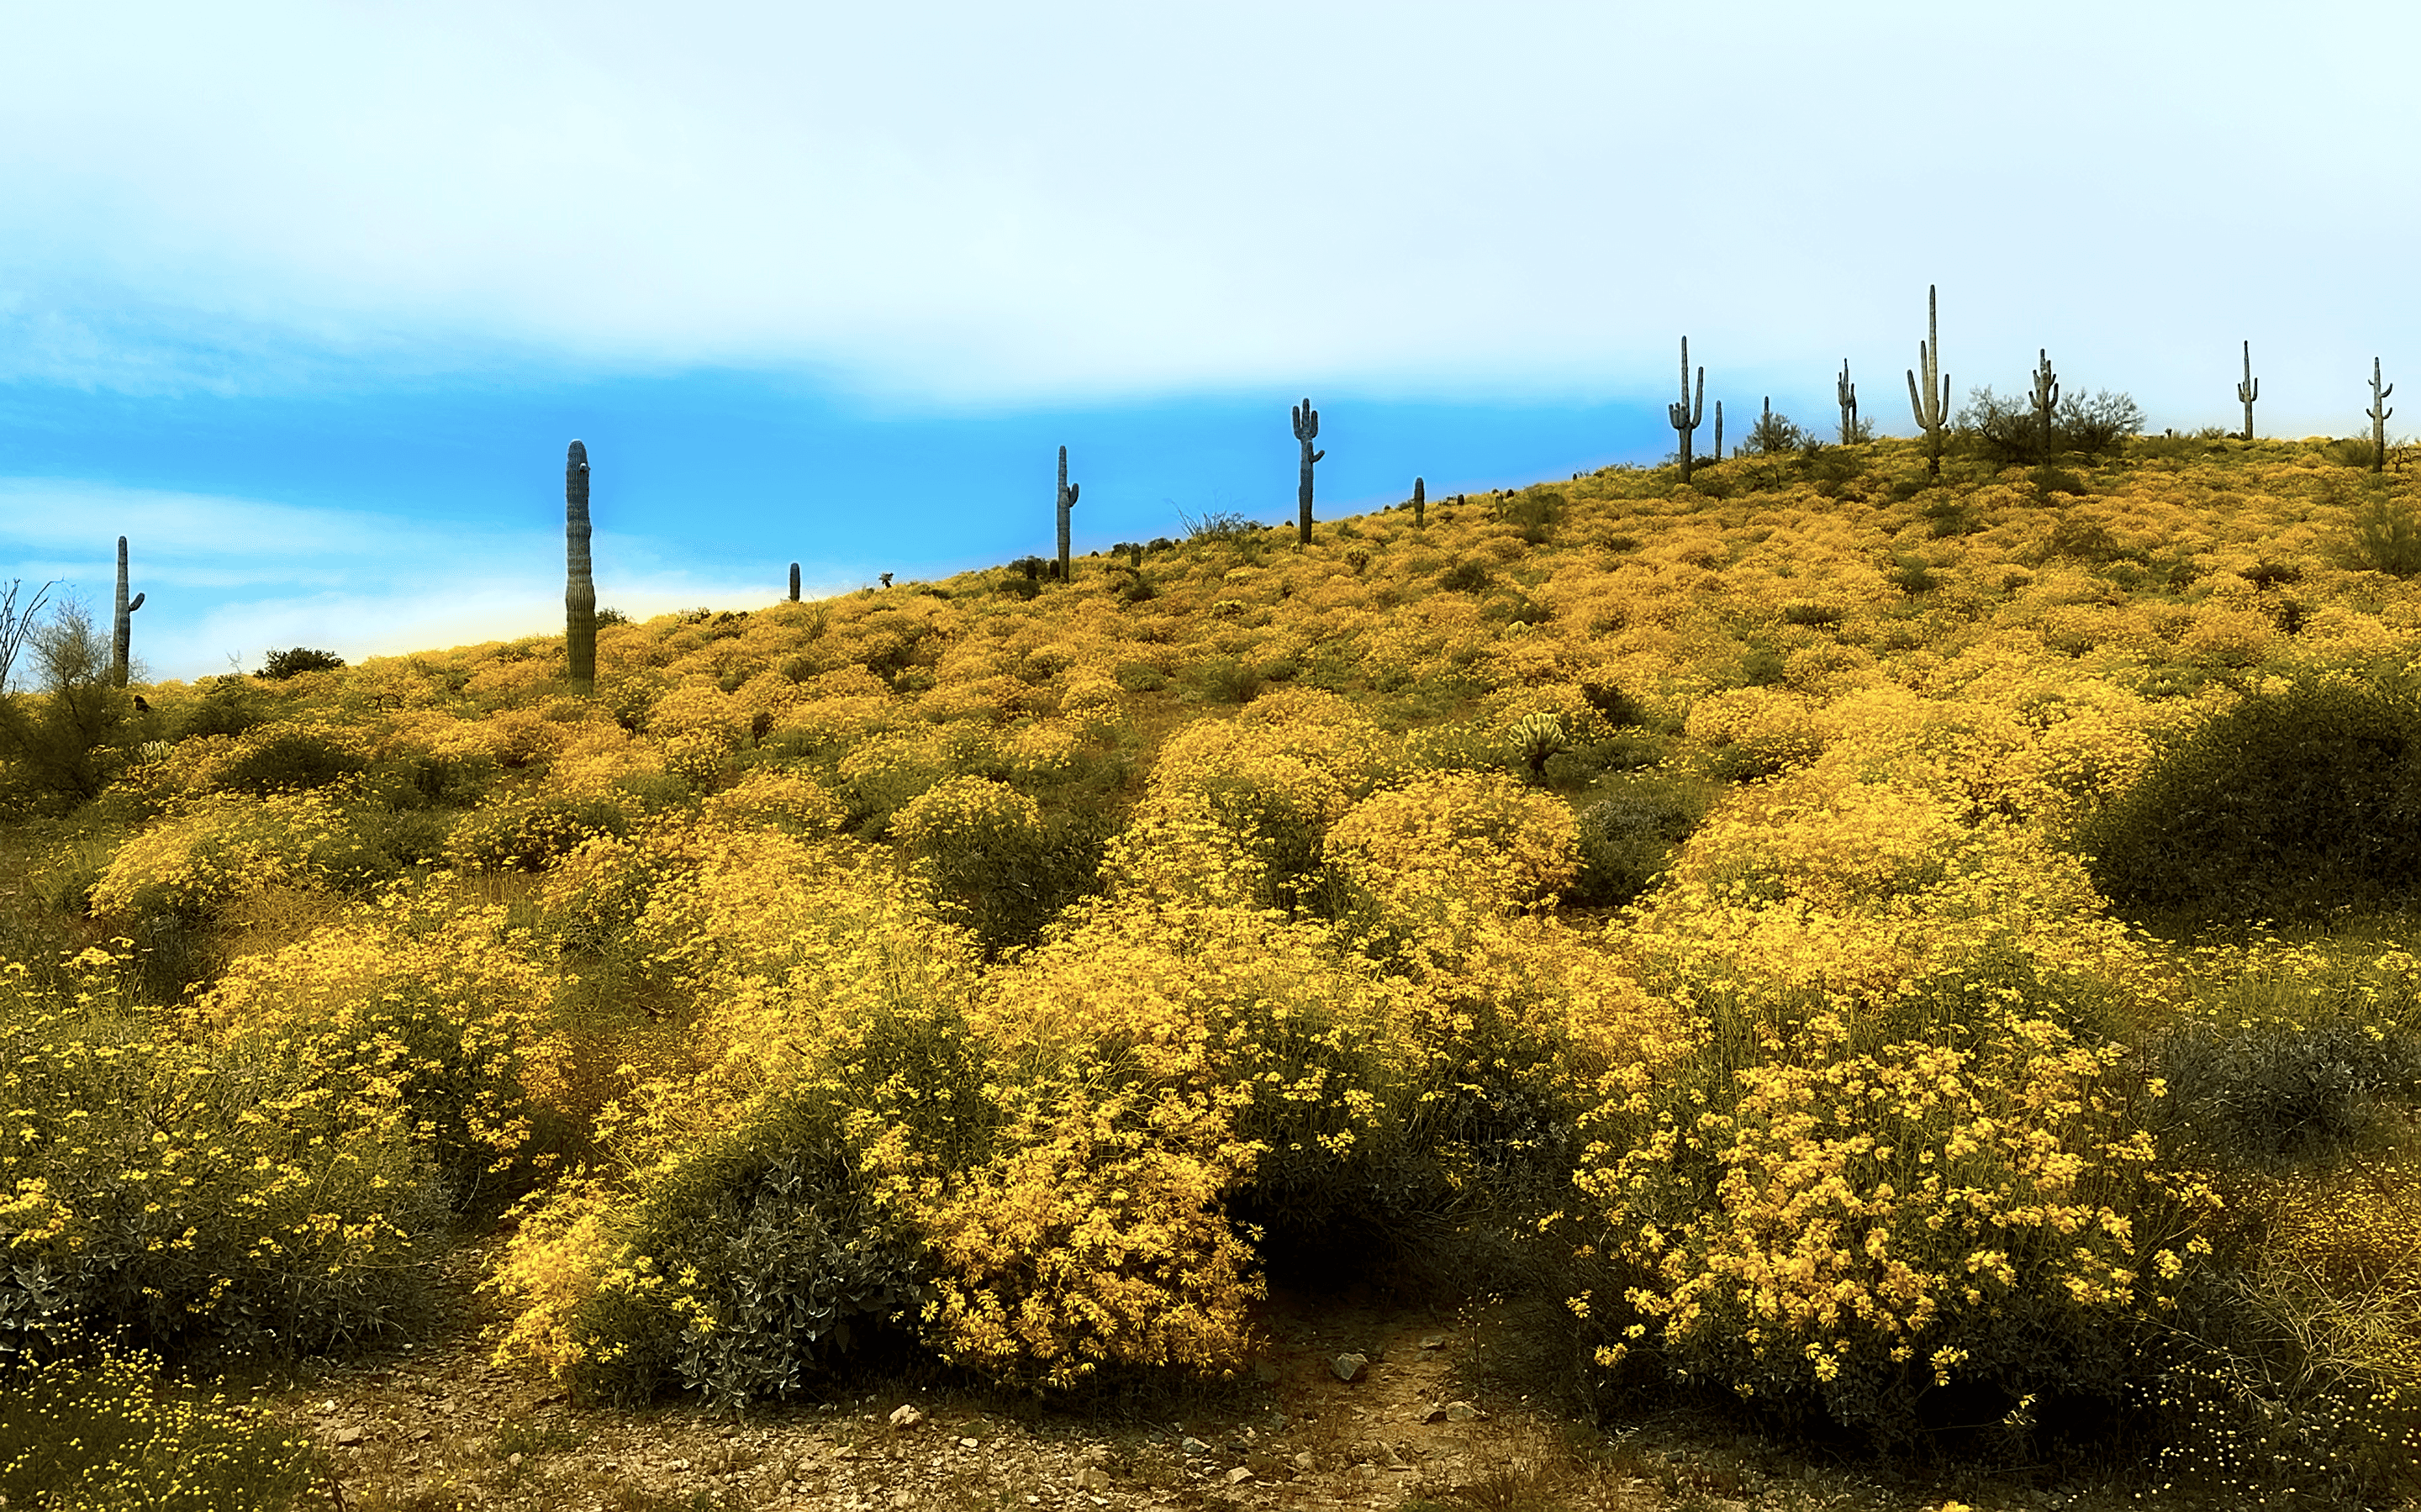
(794, 582)
(1847, 393)
(2046, 396)
(2379, 411)
(2247, 391)
(1420, 504)
(1686, 414)
(1067, 501)
(579, 587)
(1719, 433)
(1306, 427)
(121, 624)
(1932, 406)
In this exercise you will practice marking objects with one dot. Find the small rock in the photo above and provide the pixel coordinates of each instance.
(903, 1497)
(1351, 1368)
(1093, 1478)
(349, 1435)
(677, 1464)
(1432, 1341)
(514, 1460)
(1239, 1476)
(1305, 1463)
(904, 1416)
(1462, 1412)
(970, 1443)
(1193, 1447)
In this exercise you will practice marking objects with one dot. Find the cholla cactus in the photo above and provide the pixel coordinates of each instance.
(1536, 738)
(121, 626)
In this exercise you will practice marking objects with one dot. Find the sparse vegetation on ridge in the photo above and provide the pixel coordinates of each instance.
(1876, 949)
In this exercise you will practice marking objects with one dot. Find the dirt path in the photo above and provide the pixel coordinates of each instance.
(1430, 1419)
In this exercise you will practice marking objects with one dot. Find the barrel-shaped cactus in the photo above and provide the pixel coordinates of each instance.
(579, 587)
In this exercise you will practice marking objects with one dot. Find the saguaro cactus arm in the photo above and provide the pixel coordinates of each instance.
(1067, 501)
(121, 629)
(2247, 391)
(579, 586)
(1685, 414)
(1932, 405)
(2046, 393)
(1307, 428)
(2379, 411)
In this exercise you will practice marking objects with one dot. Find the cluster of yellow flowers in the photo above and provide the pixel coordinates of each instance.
(1853, 1083)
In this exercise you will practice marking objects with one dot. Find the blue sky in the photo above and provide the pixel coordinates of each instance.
(305, 300)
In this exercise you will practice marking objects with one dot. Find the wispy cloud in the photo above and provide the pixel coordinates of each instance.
(227, 579)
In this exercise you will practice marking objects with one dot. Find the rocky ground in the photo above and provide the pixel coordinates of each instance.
(1355, 1403)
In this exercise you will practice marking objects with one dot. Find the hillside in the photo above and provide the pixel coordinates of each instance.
(1927, 962)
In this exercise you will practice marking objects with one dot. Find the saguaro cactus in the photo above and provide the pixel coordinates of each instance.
(1686, 414)
(794, 582)
(1933, 406)
(1847, 393)
(1067, 501)
(2248, 391)
(2046, 396)
(1420, 504)
(1306, 427)
(2379, 411)
(1719, 433)
(579, 587)
(121, 626)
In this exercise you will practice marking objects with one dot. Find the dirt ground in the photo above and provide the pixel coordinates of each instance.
(1436, 1417)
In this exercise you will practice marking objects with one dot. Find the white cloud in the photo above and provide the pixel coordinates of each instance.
(984, 201)
(229, 579)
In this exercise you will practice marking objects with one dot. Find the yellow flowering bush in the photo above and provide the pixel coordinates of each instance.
(1473, 836)
(195, 1196)
(221, 847)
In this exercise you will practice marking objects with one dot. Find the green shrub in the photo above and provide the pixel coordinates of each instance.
(1628, 837)
(289, 759)
(293, 662)
(2279, 1093)
(185, 1198)
(110, 1432)
(1464, 577)
(2289, 806)
(2388, 538)
(63, 738)
(227, 706)
(530, 832)
(994, 864)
